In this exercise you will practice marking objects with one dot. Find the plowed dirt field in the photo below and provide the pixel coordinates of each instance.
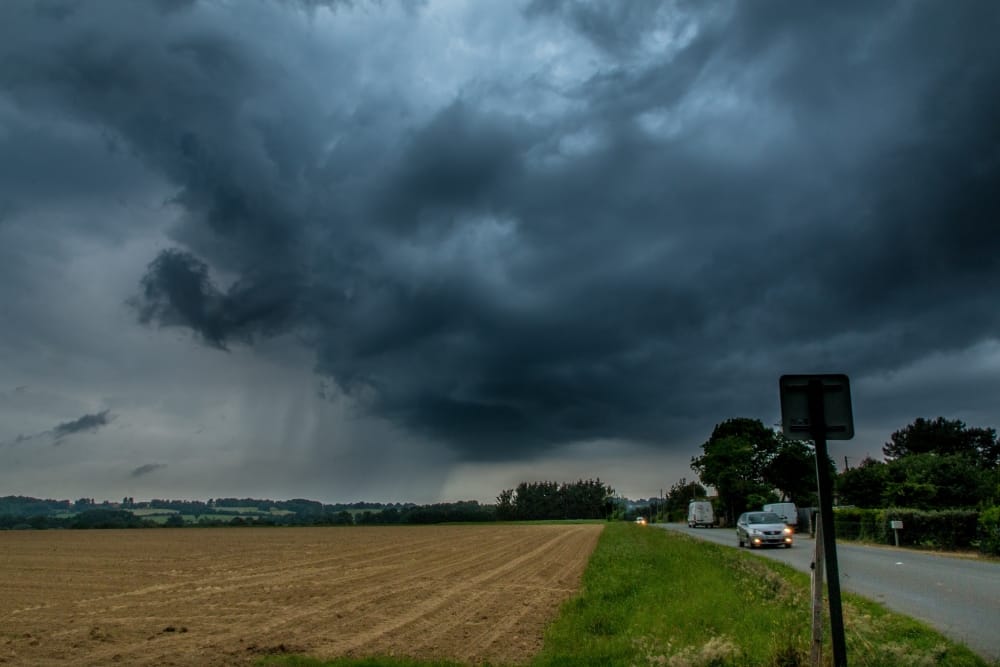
(228, 596)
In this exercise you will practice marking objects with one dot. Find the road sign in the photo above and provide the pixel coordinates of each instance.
(795, 420)
(819, 407)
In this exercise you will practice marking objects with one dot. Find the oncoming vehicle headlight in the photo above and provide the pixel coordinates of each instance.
(787, 531)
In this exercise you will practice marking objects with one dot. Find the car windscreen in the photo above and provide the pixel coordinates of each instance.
(765, 517)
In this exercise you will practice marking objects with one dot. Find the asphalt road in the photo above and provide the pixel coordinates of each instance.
(960, 597)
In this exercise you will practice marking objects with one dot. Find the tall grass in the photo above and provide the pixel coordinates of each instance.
(658, 598)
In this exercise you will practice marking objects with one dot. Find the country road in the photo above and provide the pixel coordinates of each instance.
(960, 597)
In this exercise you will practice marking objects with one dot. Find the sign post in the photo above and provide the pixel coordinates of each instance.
(816, 653)
(819, 407)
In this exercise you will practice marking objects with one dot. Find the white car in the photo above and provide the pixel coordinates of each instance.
(762, 529)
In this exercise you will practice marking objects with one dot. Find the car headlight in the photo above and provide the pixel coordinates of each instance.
(787, 531)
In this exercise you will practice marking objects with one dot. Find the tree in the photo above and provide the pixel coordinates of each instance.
(731, 464)
(764, 444)
(931, 481)
(864, 485)
(792, 471)
(945, 437)
(505, 505)
(343, 518)
(678, 497)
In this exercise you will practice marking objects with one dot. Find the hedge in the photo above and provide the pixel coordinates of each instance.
(989, 531)
(936, 529)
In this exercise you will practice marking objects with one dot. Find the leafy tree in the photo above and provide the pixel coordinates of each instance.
(505, 505)
(864, 485)
(678, 497)
(931, 481)
(792, 471)
(733, 463)
(945, 437)
(763, 441)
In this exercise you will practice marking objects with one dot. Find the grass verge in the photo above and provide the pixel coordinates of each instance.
(651, 597)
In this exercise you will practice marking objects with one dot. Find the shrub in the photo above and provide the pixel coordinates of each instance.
(935, 529)
(940, 529)
(857, 524)
(989, 531)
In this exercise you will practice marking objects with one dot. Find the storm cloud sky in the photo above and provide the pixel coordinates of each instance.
(407, 250)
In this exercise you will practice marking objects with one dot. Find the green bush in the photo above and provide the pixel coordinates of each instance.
(989, 531)
(854, 523)
(940, 529)
(934, 529)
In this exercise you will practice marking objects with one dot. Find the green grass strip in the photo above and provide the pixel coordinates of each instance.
(656, 598)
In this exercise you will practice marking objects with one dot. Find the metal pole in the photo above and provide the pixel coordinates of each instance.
(816, 654)
(817, 423)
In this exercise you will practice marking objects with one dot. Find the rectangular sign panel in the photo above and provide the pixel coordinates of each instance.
(836, 408)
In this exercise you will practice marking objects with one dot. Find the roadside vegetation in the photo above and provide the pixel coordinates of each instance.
(940, 477)
(652, 597)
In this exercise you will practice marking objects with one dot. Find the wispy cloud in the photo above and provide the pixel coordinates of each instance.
(146, 469)
(86, 423)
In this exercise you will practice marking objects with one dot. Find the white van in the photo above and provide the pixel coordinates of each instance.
(700, 514)
(787, 512)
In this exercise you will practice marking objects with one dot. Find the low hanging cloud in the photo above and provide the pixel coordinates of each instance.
(89, 423)
(85, 424)
(147, 469)
(612, 244)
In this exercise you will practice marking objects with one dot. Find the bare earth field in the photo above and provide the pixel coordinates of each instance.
(227, 596)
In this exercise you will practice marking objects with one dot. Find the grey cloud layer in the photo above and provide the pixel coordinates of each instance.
(729, 193)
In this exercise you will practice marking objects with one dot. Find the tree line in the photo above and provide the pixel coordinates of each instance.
(583, 499)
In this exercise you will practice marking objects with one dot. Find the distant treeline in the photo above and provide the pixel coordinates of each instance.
(589, 499)
(22, 512)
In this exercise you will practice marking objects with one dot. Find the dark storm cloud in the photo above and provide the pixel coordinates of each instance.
(85, 424)
(734, 193)
(177, 291)
(146, 469)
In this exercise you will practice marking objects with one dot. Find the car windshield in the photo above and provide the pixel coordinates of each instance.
(764, 517)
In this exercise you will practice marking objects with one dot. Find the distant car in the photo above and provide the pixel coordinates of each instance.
(641, 520)
(762, 529)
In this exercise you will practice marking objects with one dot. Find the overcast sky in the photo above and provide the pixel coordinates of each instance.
(421, 251)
